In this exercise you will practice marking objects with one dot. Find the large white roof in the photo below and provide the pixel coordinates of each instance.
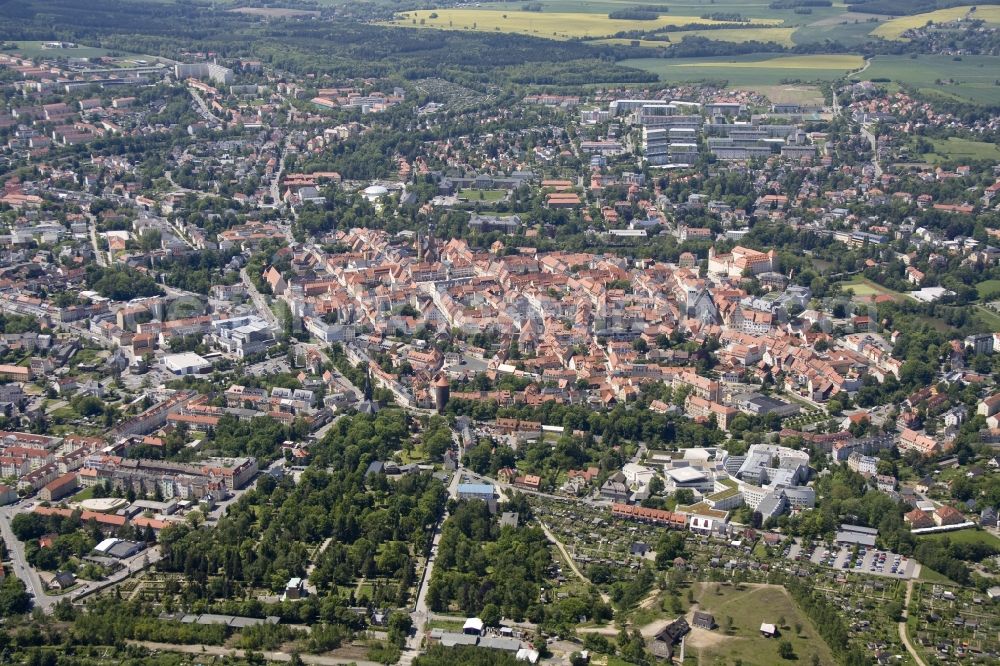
(685, 474)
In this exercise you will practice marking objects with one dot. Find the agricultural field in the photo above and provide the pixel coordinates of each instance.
(955, 148)
(895, 28)
(848, 28)
(778, 35)
(747, 8)
(748, 608)
(553, 25)
(759, 70)
(968, 79)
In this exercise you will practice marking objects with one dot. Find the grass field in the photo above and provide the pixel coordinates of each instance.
(863, 287)
(895, 28)
(35, 50)
(759, 70)
(931, 576)
(748, 608)
(987, 287)
(989, 318)
(970, 79)
(489, 196)
(966, 536)
(553, 25)
(789, 94)
(954, 148)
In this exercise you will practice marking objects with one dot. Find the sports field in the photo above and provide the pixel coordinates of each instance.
(966, 79)
(895, 28)
(553, 25)
(751, 70)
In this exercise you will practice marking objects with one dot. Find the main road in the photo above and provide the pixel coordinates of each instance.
(33, 582)
(22, 569)
(258, 300)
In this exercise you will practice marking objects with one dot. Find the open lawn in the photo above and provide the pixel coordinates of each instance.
(987, 287)
(965, 536)
(989, 318)
(793, 94)
(931, 576)
(954, 148)
(751, 70)
(483, 195)
(864, 287)
(85, 494)
(553, 25)
(35, 50)
(895, 28)
(970, 78)
(748, 608)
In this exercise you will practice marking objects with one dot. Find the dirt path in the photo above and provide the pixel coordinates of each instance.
(220, 651)
(903, 635)
(569, 560)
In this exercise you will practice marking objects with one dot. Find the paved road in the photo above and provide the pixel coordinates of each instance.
(21, 567)
(221, 507)
(421, 613)
(219, 651)
(903, 634)
(203, 109)
(258, 299)
(102, 258)
(131, 566)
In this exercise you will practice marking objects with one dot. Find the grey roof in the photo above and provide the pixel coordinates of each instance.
(451, 638)
(859, 529)
(500, 643)
(856, 537)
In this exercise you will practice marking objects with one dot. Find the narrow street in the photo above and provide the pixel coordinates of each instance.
(263, 309)
(102, 258)
(421, 613)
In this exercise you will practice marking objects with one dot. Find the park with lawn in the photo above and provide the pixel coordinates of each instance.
(739, 612)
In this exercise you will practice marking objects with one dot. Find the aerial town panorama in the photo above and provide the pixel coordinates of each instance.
(455, 333)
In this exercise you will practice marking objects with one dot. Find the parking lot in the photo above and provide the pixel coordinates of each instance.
(870, 561)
